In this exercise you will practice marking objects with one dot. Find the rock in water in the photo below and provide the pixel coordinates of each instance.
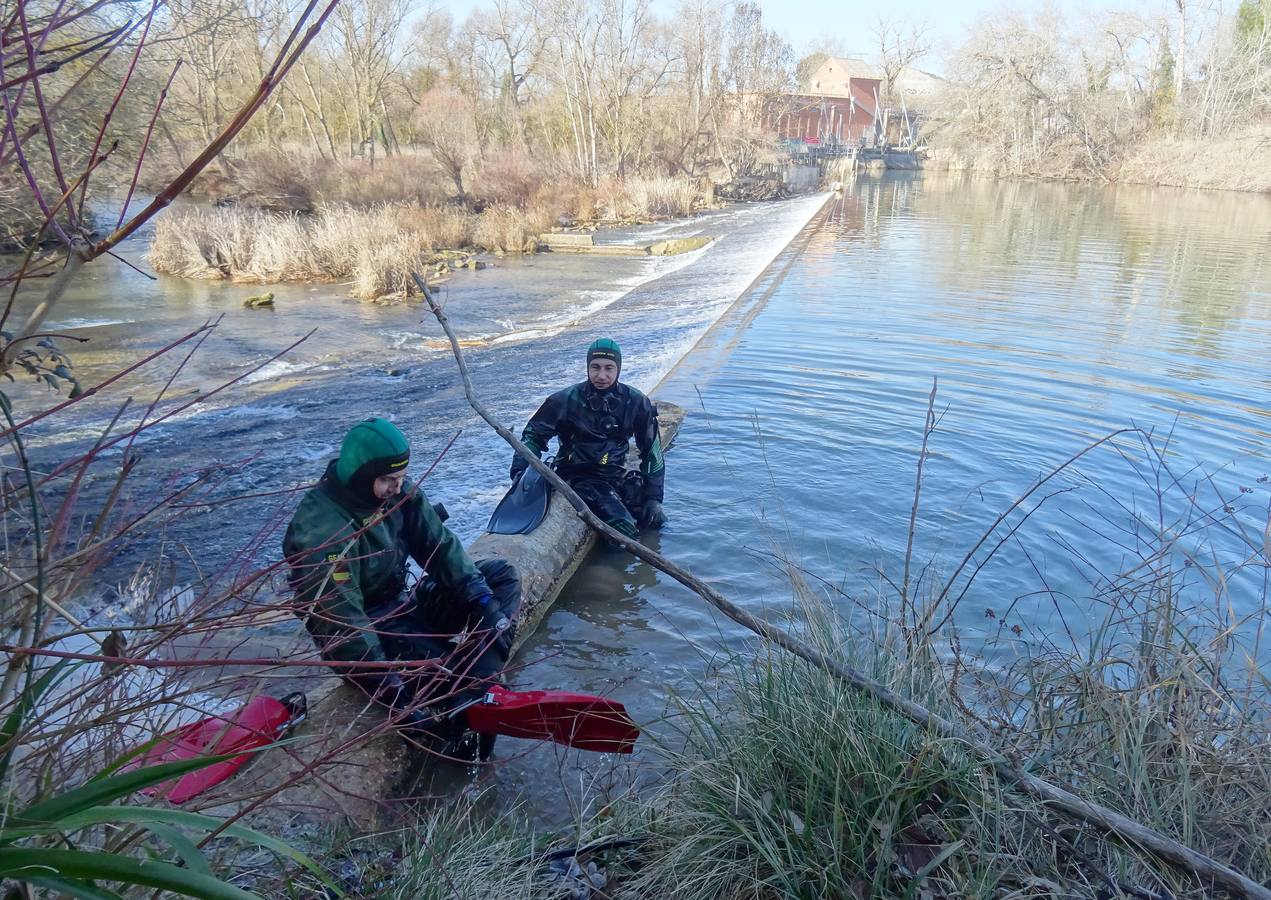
(259, 301)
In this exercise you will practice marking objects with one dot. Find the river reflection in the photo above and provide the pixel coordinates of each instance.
(1052, 314)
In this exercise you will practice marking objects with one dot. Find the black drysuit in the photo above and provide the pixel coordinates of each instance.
(594, 428)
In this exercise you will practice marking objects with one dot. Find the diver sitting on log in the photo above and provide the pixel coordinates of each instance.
(347, 547)
(594, 421)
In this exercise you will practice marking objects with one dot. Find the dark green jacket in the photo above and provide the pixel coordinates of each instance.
(594, 428)
(345, 560)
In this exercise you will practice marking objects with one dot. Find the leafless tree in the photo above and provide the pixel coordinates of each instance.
(509, 29)
(758, 66)
(368, 38)
(901, 43)
(40, 84)
(445, 123)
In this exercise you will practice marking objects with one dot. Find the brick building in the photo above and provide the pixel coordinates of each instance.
(838, 104)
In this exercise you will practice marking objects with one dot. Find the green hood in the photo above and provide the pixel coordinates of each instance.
(605, 348)
(372, 448)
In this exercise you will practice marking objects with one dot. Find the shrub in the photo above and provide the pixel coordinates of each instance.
(509, 229)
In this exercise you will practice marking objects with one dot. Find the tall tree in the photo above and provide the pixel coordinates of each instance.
(368, 37)
(900, 43)
(509, 29)
(446, 124)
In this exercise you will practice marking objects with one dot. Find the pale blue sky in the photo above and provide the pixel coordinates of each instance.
(804, 22)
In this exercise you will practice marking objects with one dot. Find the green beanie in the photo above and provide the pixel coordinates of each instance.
(372, 448)
(605, 348)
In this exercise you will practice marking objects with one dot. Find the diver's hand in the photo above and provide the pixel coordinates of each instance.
(497, 627)
(653, 516)
(499, 632)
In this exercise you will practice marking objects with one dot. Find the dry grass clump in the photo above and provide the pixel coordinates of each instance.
(433, 227)
(373, 225)
(374, 248)
(791, 784)
(397, 179)
(663, 196)
(566, 202)
(510, 230)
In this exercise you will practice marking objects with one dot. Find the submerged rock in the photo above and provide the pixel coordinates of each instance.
(259, 301)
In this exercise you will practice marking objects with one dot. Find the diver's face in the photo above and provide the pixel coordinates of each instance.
(387, 487)
(602, 373)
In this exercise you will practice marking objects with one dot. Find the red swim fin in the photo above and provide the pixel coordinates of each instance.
(576, 720)
(255, 725)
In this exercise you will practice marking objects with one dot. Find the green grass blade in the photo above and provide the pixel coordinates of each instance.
(182, 846)
(82, 864)
(97, 793)
(82, 890)
(147, 817)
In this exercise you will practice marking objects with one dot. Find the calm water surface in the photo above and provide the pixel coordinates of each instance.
(1051, 315)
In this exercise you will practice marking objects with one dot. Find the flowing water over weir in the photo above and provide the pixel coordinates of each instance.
(1051, 314)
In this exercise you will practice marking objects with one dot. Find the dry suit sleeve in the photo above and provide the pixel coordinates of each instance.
(328, 594)
(542, 427)
(649, 442)
(439, 552)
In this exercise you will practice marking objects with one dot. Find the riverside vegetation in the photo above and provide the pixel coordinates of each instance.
(377, 245)
(783, 782)
(1181, 98)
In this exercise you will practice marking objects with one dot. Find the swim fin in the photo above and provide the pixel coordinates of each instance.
(523, 507)
(259, 723)
(575, 720)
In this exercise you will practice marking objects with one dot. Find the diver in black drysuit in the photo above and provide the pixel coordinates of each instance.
(594, 421)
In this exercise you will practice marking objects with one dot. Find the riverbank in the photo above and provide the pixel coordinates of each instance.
(780, 780)
(1238, 162)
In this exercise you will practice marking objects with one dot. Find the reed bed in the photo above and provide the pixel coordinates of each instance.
(374, 248)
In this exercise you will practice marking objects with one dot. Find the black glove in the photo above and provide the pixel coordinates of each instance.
(497, 626)
(518, 466)
(653, 516)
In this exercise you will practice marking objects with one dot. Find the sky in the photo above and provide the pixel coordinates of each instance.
(804, 23)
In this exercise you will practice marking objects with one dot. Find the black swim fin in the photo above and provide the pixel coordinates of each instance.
(523, 507)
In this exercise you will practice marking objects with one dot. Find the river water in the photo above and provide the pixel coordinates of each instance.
(1050, 315)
